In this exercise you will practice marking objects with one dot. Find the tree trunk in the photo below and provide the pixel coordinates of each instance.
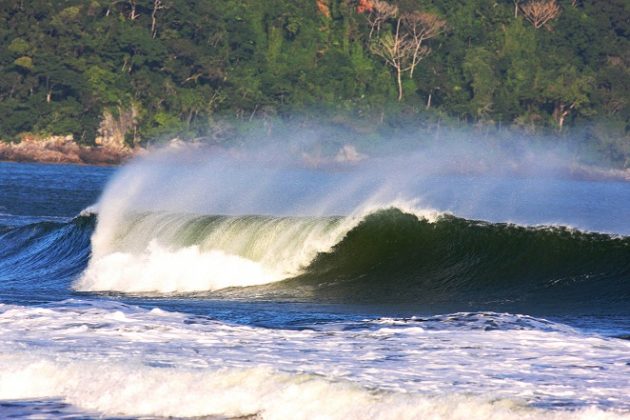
(157, 5)
(133, 15)
(560, 113)
(399, 80)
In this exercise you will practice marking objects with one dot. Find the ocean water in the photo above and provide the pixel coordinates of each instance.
(213, 288)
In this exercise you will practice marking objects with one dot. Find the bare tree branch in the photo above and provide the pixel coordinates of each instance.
(394, 50)
(539, 12)
(421, 26)
(380, 13)
(133, 15)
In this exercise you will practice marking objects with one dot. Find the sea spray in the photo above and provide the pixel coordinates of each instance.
(200, 221)
(161, 200)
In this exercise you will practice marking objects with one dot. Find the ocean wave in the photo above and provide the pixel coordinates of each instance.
(170, 253)
(385, 254)
(44, 254)
(394, 256)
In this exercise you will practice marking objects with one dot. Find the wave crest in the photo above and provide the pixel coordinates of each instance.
(384, 255)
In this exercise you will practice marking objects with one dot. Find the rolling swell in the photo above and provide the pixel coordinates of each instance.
(392, 256)
(44, 255)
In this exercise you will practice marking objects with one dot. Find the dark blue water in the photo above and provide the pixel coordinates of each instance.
(34, 192)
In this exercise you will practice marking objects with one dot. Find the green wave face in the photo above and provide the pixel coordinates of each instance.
(396, 257)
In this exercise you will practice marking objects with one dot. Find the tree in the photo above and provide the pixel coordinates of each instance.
(395, 50)
(403, 48)
(539, 12)
(421, 27)
(479, 69)
(568, 92)
(157, 5)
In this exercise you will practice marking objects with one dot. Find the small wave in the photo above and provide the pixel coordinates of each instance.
(122, 389)
(44, 254)
(89, 211)
(486, 321)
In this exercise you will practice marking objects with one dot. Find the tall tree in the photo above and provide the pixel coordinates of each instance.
(403, 47)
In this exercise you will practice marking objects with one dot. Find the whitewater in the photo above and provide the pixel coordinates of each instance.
(233, 285)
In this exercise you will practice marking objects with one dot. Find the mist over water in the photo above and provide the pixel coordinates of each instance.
(323, 172)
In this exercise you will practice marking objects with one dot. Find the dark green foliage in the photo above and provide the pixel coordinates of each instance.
(64, 63)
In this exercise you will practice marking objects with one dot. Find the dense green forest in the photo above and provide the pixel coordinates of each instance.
(159, 67)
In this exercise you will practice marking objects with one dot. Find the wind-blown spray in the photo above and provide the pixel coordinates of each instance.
(193, 220)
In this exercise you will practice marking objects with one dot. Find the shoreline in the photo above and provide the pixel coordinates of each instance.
(63, 150)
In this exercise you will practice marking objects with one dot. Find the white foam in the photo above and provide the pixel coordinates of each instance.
(89, 210)
(121, 360)
(137, 390)
(184, 270)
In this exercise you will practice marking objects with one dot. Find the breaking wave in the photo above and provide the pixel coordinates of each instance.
(388, 255)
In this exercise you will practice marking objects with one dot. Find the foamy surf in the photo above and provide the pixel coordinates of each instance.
(184, 270)
(171, 253)
(137, 390)
(117, 359)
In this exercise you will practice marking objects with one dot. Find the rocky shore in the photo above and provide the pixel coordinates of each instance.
(62, 149)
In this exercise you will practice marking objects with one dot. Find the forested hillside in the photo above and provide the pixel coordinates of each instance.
(150, 68)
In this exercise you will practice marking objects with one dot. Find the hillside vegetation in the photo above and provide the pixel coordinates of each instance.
(147, 69)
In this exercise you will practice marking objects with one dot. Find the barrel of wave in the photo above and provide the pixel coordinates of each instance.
(183, 253)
